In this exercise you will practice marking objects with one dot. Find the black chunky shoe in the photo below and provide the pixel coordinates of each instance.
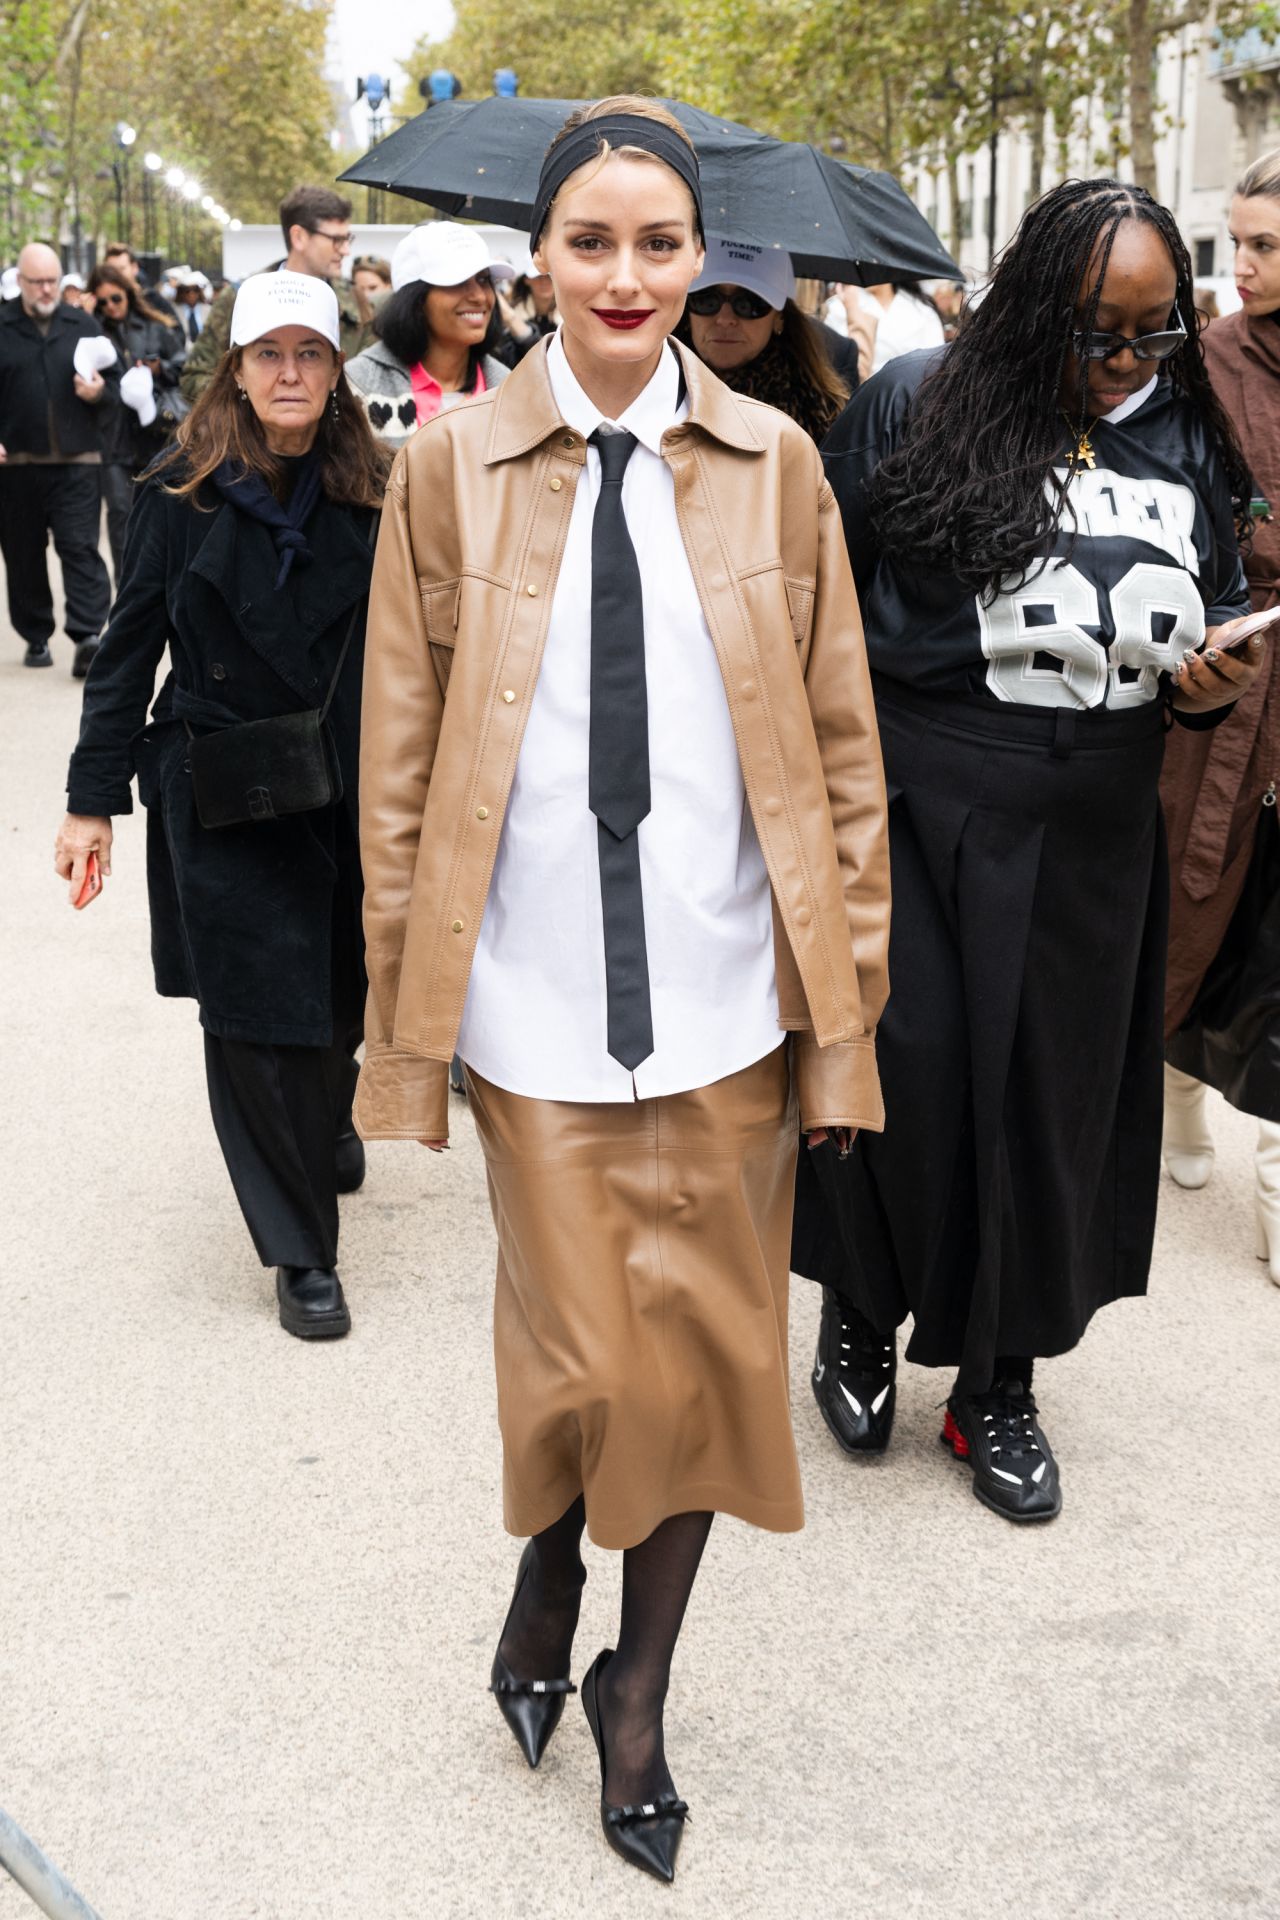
(85, 655)
(37, 654)
(348, 1160)
(647, 1836)
(531, 1708)
(312, 1304)
(998, 1435)
(854, 1375)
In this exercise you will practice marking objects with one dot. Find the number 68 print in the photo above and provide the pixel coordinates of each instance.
(1091, 674)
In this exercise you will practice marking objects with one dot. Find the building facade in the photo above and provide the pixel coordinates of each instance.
(1219, 108)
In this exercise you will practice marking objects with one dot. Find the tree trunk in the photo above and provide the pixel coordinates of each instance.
(1039, 120)
(1141, 63)
(953, 204)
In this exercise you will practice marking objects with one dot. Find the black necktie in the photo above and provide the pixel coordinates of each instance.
(193, 325)
(618, 781)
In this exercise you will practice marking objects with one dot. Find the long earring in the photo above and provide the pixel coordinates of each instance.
(334, 408)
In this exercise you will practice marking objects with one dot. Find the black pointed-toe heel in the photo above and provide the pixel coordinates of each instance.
(531, 1708)
(647, 1836)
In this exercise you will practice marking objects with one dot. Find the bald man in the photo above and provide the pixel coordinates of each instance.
(50, 462)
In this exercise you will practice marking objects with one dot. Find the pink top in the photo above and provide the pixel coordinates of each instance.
(428, 394)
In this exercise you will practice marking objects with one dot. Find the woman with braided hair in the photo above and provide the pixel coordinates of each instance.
(1042, 520)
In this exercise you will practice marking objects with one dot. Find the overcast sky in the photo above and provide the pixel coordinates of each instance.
(375, 36)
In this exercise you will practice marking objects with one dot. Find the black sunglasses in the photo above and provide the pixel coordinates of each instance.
(747, 306)
(1147, 346)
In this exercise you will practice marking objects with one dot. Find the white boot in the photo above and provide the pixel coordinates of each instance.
(1267, 1164)
(1188, 1143)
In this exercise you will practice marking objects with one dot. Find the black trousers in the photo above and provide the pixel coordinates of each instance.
(117, 497)
(67, 503)
(277, 1111)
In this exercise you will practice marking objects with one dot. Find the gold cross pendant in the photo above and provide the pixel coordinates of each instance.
(1083, 454)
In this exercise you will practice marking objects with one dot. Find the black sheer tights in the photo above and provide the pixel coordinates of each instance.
(537, 1641)
(657, 1579)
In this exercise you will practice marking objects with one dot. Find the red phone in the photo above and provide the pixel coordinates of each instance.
(92, 883)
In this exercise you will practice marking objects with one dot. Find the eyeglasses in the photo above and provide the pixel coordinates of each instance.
(1147, 346)
(34, 280)
(747, 306)
(334, 239)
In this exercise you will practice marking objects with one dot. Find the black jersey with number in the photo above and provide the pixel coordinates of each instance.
(1150, 561)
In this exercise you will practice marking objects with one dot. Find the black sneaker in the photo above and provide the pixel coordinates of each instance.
(38, 655)
(998, 1435)
(86, 653)
(854, 1374)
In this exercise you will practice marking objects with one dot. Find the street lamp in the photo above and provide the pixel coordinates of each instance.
(125, 135)
(152, 164)
(373, 90)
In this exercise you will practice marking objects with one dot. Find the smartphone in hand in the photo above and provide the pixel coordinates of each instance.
(1251, 624)
(92, 883)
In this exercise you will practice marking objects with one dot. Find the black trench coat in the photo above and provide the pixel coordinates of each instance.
(241, 917)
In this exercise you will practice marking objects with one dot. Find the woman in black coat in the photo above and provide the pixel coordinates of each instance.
(143, 337)
(248, 557)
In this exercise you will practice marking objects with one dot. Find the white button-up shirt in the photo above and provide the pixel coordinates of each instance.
(535, 1015)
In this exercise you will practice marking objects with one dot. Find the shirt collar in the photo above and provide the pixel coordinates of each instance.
(648, 416)
(1131, 405)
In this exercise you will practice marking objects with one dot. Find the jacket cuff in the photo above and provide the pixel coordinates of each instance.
(837, 1086)
(99, 806)
(402, 1096)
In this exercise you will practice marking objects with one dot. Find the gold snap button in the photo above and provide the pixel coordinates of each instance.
(556, 485)
(457, 926)
(567, 441)
(482, 813)
(532, 591)
(508, 696)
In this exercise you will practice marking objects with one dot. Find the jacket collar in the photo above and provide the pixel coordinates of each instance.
(15, 314)
(525, 411)
(282, 628)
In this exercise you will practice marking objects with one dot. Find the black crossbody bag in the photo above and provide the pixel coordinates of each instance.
(267, 769)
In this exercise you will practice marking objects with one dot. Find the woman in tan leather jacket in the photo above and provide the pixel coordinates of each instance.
(614, 588)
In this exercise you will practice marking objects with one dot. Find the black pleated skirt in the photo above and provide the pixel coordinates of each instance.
(1013, 1190)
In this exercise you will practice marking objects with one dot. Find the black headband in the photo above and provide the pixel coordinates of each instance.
(620, 130)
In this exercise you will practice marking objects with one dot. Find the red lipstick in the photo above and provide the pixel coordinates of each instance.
(624, 318)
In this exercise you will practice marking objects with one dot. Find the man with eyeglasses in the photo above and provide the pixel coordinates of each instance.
(316, 223)
(51, 422)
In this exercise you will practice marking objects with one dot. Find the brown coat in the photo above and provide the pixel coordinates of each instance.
(1215, 782)
(472, 535)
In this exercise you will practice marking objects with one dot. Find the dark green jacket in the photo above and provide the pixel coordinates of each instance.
(207, 351)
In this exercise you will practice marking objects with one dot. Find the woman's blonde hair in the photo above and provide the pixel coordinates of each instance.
(1261, 181)
(640, 107)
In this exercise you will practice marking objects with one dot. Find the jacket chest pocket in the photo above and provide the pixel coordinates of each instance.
(440, 608)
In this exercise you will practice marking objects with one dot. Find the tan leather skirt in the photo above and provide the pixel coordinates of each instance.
(640, 1318)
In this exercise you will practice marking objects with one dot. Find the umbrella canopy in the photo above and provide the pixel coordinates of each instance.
(481, 159)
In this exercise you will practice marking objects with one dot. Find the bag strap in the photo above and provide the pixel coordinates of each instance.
(374, 522)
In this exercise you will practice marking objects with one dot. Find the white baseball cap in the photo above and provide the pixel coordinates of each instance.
(766, 271)
(444, 254)
(283, 299)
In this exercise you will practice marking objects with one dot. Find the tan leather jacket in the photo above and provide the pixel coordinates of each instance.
(476, 516)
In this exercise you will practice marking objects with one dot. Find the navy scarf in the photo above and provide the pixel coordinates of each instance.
(250, 492)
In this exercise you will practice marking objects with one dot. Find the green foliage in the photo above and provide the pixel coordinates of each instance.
(233, 91)
(583, 52)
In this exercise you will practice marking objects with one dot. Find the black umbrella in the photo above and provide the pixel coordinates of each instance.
(480, 159)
